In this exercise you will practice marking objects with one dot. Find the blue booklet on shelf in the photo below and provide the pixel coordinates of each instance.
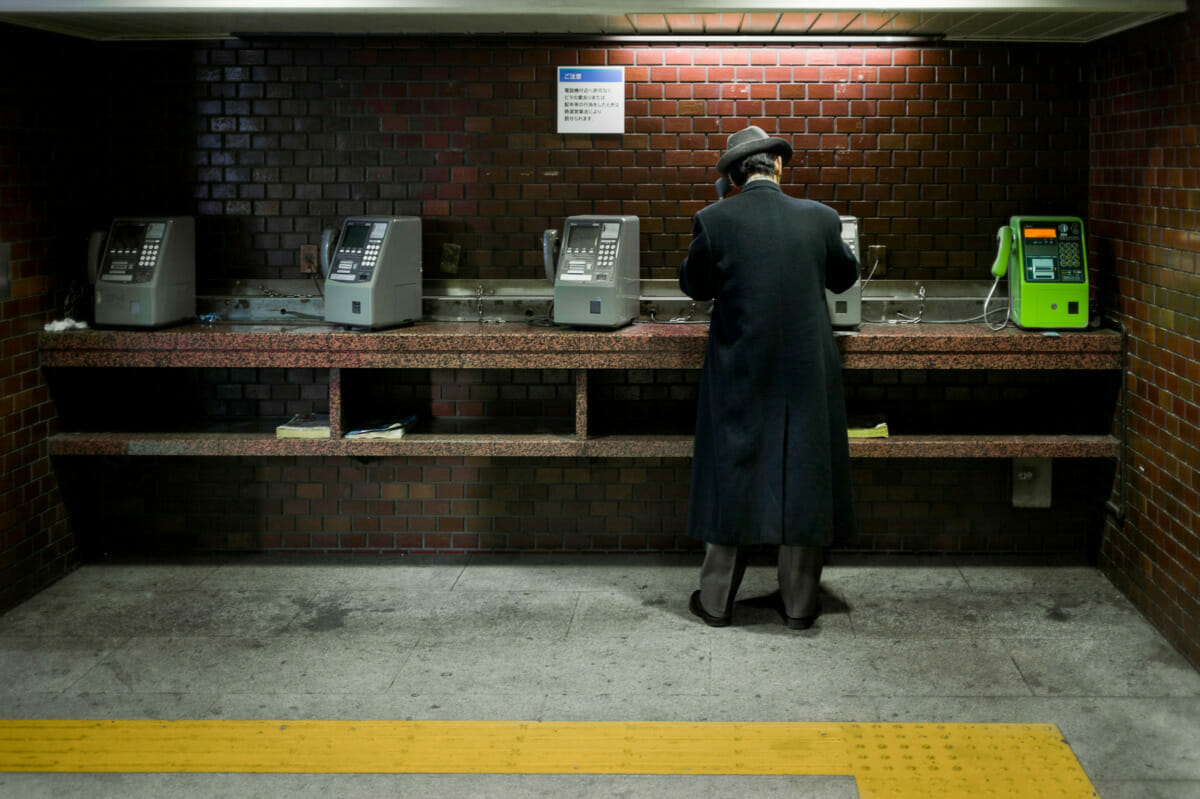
(390, 430)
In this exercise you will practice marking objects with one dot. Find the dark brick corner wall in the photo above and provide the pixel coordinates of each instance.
(38, 141)
(1145, 212)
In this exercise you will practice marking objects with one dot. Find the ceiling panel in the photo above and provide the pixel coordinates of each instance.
(722, 24)
(797, 23)
(1077, 21)
(758, 24)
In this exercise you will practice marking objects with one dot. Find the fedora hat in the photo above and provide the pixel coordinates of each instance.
(749, 141)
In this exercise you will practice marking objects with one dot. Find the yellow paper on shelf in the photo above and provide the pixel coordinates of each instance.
(869, 428)
(304, 425)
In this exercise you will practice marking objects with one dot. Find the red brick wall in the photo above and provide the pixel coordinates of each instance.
(1145, 209)
(931, 146)
(512, 504)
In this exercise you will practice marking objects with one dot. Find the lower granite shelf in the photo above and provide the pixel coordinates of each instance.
(556, 445)
(986, 446)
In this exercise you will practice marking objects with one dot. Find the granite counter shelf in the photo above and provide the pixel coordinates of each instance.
(549, 445)
(345, 356)
(513, 345)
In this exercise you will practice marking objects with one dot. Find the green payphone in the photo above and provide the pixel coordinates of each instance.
(1048, 278)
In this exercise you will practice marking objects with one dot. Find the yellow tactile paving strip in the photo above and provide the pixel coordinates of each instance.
(887, 760)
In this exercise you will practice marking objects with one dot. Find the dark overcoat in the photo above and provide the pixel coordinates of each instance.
(771, 462)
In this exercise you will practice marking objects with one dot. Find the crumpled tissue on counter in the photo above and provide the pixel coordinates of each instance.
(64, 324)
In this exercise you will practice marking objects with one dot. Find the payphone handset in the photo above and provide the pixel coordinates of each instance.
(596, 270)
(1004, 237)
(373, 272)
(144, 272)
(1045, 259)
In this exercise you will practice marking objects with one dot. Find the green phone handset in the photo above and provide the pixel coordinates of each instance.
(1005, 238)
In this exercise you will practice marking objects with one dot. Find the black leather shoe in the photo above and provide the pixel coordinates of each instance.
(800, 622)
(775, 602)
(712, 621)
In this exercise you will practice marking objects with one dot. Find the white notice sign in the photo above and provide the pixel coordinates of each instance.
(591, 99)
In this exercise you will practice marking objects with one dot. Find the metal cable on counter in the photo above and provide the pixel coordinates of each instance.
(992, 291)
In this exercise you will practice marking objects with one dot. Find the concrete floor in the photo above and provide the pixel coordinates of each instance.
(593, 639)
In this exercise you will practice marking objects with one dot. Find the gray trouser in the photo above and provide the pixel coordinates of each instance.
(799, 578)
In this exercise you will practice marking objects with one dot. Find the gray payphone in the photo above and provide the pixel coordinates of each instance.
(845, 309)
(373, 275)
(596, 271)
(145, 272)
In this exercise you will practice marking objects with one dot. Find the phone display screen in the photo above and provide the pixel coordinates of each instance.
(583, 237)
(355, 236)
(127, 237)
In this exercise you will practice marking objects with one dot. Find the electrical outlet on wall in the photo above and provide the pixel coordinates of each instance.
(451, 253)
(1031, 482)
(876, 264)
(308, 259)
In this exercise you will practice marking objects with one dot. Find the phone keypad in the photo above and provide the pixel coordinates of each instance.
(1070, 261)
(608, 253)
(1069, 252)
(371, 255)
(149, 256)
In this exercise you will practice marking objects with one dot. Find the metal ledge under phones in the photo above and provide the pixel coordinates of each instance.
(495, 301)
(262, 302)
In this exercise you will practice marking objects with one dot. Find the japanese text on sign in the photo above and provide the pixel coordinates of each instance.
(591, 99)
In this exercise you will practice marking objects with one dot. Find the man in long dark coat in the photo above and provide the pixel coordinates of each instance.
(772, 461)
